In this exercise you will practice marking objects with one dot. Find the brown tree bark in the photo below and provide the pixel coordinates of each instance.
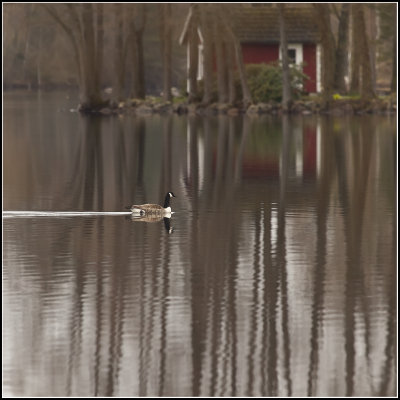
(83, 30)
(286, 90)
(355, 53)
(232, 93)
(367, 86)
(233, 41)
(137, 17)
(99, 41)
(339, 83)
(393, 83)
(220, 57)
(193, 43)
(166, 37)
(91, 91)
(328, 50)
(207, 53)
(120, 52)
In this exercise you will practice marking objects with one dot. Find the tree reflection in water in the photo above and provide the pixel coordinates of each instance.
(278, 279)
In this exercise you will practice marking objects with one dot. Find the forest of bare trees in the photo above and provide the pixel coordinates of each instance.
(134, 49)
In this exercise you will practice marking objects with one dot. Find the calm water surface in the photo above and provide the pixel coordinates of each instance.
(276, 276)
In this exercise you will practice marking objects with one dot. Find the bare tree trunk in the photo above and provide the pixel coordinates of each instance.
(328, 46)
(193, 56)
(243, 79)
(72, 31)
(367, 87)
(85, 33)
(136, 28)
(165, 36)
(90, 93)
(99, 42)
(39, 58)
(342, 50)
(207, 54)
(237, 49)
(134, 92)
(393, 84)
(220, 59)
(139, 45)
(120, 51)
(286, 91)
(371, 31)
(27, 45)
(355, 52)
(231, 74)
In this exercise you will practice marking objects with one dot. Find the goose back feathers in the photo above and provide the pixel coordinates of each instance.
(153, 209)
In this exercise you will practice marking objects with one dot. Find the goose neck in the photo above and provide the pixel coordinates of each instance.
(166, 201)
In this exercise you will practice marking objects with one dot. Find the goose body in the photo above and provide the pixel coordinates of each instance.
(153, 209)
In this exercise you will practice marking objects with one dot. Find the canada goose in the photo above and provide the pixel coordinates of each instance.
(153, 209)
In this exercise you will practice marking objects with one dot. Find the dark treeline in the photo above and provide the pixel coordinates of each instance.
(134, 49)
(93, 47)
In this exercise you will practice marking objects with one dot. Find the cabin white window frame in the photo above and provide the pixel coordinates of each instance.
(200, 60)
(200, 63)
(298, 47)
(318, 72)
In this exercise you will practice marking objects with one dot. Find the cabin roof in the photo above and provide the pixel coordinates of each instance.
(259, 23)
(183, 35)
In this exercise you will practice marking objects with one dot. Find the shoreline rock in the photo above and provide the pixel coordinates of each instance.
(340, 107)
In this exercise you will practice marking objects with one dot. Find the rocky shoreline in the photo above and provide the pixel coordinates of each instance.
(151, 106)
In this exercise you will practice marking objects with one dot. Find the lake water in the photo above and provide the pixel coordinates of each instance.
(275, 276)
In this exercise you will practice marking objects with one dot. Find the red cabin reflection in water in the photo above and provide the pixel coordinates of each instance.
(309, 152)
(265, 163)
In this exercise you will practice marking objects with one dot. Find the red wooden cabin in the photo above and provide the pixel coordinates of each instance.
(257, 27)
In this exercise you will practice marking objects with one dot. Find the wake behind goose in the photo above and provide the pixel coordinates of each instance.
(54, 214)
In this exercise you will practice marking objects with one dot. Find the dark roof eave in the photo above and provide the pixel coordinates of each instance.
(275, 41)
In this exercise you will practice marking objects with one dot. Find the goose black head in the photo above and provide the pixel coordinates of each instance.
(167, 199)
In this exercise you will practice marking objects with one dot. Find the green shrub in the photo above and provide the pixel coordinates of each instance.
(265, 81)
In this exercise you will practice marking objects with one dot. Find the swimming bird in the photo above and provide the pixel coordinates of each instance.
(152, 209)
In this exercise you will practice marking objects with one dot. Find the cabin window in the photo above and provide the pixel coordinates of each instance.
(295, 53)
(292, 56)
(295, 56)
